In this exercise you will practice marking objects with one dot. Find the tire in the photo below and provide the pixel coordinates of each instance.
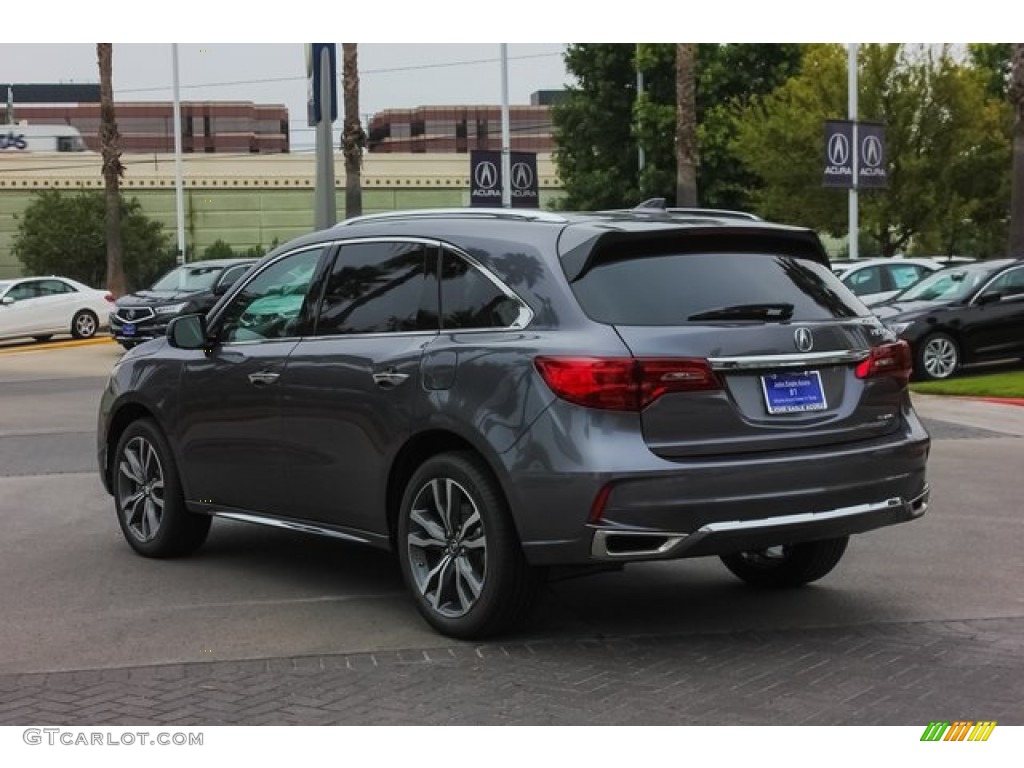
(789, 565)
(84, 324)
(467, 572)
(148, 497)
(937, 357)
(44, 337)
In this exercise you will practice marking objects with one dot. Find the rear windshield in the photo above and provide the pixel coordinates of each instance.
(675, 289)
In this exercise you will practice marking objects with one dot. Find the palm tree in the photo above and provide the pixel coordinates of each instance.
(686, 125)
(1016, 92)
(112, 170)
(353, 137)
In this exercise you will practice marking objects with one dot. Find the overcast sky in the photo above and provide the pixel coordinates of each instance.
(45, 42)
(391, 75)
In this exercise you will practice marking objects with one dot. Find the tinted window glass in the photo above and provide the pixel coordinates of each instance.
(231, 275)
(270, 305)
(22, 291)
(905, 275)
(470, 300)
(375, 288)
(864, 281)
(54, 287)
(1009, 284)
(188, 278)
(669, 289)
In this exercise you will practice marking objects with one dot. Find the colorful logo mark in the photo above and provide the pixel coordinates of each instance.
(961, 730)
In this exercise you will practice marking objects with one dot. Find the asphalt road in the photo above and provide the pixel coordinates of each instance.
(258, 605)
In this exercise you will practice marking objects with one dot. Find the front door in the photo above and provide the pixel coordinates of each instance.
(231, 394)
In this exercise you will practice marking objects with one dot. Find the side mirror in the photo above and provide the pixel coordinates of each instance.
(6, 301)
(989, 297)
(188, 332)
(221, 288)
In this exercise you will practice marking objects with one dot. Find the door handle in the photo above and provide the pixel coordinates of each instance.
(389, 378)
(262, 378)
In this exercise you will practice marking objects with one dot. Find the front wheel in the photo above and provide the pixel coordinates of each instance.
(84, 324)
(460, 554)
(787, 565)
(148, 496)
(938, 357)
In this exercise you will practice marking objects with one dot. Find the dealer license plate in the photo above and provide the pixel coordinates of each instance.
(793, 392)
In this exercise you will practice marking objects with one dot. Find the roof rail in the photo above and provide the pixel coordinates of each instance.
(523, 214)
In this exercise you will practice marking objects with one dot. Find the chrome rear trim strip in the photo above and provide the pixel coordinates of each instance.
(732, 526)
(799, 360)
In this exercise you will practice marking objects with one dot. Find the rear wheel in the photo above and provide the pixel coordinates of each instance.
(84, 324)
(459, 551)
(938, 357)
(787, 565)
(148, 497)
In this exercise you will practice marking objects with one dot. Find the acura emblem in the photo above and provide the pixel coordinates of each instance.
(871, 151)
(522, 176)
(803, 339)
(486, 175)
(838, 149)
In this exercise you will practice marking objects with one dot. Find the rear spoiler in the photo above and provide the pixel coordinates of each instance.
(618, 245)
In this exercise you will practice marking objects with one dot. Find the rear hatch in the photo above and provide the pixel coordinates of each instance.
(745, 343)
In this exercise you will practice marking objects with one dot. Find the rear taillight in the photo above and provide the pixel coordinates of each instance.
(887, 360)
(624, 383)
(109, 297)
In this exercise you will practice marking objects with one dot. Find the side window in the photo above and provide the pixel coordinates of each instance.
(22, 291)
(864, 281)
(231, 275)
(270, 305)
(905, 275)
(376, 288)
(1009, 283)
(53, 288)
(469, 299)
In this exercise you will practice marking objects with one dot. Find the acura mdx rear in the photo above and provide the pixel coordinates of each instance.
(491, 394)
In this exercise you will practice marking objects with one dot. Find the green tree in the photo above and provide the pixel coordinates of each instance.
(64, 233)
(602, 122)
(946, 144)
(594, 147)
(1016, 96)
(219, 249)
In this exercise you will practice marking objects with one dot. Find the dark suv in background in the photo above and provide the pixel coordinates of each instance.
(192, 287)
(492, 393)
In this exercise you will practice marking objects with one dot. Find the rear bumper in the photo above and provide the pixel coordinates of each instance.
(632, 505)
(739, 535)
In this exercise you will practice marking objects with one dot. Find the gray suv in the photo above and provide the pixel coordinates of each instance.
(493, 393)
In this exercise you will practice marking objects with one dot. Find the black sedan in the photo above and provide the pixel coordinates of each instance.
(960, 315)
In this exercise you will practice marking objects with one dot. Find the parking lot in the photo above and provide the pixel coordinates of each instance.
(920, 621)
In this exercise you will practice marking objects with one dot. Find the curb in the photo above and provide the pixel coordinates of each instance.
(45, 346)
(999, 400)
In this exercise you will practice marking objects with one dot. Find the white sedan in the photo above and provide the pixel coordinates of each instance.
(41, 307)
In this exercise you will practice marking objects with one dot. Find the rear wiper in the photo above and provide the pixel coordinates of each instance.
(769, 313)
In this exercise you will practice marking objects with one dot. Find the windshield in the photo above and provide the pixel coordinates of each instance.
(188, 278)
(951, 284)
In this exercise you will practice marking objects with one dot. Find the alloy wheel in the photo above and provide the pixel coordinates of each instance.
(140, 489)
(447, 547)
(85, 325)
(939, 357)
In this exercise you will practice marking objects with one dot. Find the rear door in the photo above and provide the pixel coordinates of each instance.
(781, 334)
(350, 389)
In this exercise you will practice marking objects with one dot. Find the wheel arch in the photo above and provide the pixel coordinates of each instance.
(123, 417)
(418, 449)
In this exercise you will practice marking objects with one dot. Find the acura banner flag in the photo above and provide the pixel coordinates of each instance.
(485, 179)
(871, 156)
